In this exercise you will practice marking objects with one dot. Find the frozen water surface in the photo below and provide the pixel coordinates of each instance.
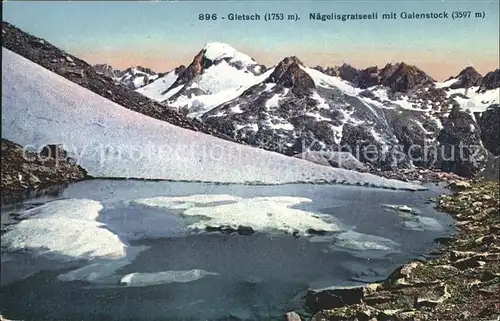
(127, 250)
(140, 250)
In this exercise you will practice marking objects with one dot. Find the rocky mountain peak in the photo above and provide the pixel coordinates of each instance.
(330, 71)
(199, 63)
(399, 77)
(123, 75)
(215, 53)
(180, 69)
(468, 77)
(290, 61)
(345, 71)
(290, 74)
(402, 77)
(105, 70)
(136, 69)
(468, 71)
(348, 72)
(368, 77)
(490, 81)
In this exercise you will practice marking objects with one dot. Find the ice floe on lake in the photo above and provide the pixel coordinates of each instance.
(358, 244)
(145, 279)
(264, 214)
(411, 219)
(67, 229)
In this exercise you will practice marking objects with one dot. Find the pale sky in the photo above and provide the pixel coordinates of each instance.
(162, 35)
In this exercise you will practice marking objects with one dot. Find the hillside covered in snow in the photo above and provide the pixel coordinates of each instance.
(40, 107)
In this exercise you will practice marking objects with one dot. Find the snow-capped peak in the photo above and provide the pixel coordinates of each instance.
(133, 77)
(216, 51)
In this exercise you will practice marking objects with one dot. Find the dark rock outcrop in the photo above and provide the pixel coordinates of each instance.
(468, 77)
(415, 133)
(489, 123)
(368, 77)
(399, 77)
(361, 143)
(490, 81)
(196, 67)
(345, 71)
(289, 74)
(240, 230)
(461, 149)
(179, 70)
(106, 70)
(348, 72)
(403, 78)
(330, 71)
(24, 170)
(334, 298)
(491, 171)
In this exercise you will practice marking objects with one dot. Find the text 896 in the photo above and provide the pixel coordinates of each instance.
(207, 16)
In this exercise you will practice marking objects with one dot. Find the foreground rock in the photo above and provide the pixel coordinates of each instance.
(24, 171)
(462, 283)
(292, 316)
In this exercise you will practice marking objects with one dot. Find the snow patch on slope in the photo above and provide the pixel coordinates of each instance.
(154, 89)
(220, 83)
(475, 101)
(447, 83)
(323, 80)
(135, 78)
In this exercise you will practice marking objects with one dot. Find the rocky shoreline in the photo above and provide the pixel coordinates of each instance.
(420, 175)
(26, 172)
(461, 283)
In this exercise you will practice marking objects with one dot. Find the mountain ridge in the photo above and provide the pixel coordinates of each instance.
(294, 109)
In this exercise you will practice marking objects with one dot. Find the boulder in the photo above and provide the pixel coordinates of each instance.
(25, 171)
(337, 297)
(292, 316)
